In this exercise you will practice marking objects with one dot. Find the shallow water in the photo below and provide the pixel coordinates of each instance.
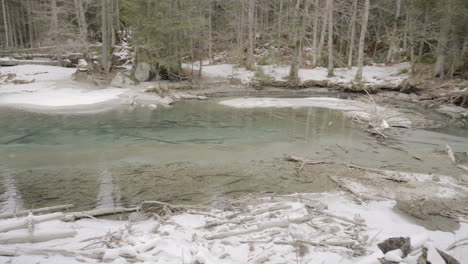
(191, 152)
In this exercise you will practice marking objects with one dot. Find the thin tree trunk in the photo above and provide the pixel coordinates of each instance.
(362, 38)
(54, 17)
(105, 36)
(330, 39)
(297, 22)
(314, 34)
(250, 65)
(30, 25)
(352, 34)
(439, 66)
(210, 32)
(322, 33)
(392, 45)
(5, 23)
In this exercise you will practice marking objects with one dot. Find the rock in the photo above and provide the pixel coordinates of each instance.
(122, 80)
(394, 255)
(83, 76)
(143, 72)
(394, 243)
(453, 111)
(166, 101)
(447, 258)
(152, 106)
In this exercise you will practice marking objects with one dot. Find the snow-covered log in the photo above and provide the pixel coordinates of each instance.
(14, 224)
(24, 236)
(36, 211)
(98, 212)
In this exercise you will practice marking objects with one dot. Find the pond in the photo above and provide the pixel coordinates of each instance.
(189, 153)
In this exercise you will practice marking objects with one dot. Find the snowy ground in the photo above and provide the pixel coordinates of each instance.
(364, 111)
(372, 75)
(50, 86)
(325, 228)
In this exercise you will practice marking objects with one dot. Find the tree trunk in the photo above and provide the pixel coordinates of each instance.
(322, 33)
(5, 23)
(105, 36)
(352, 34)
(210, 32)
(439, 66)
(392, 45)
(54, 17)
(297, 22)
(30, 25)
(250, 65)
(314, 34)
(330, 39)
(362, 38)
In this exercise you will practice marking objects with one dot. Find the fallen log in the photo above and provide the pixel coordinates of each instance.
(36, 211)
(27, 222)
(12, 252)
(24, 236)
(97, 212)
(261, 227)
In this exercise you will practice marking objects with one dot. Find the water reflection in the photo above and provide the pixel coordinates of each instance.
(188, 153)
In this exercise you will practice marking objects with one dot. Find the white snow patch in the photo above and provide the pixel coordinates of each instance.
(52, 87)
(353, 109)
(181, 239)
(48, 96)
(375, 74)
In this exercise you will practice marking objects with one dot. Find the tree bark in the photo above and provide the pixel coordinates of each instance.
(322, 33)
(5, 23)
(210, 33)
(54, 16)
(362, 38)
(250, 65)
(314, 34)
(330, 39)
(297, 22)
(352, 34)
(439, 66)
(392, 45)
(105, 36)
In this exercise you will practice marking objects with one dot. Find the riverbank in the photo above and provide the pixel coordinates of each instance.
(326, 228)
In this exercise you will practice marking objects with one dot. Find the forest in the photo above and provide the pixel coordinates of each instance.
(302, 33)
(234, 131)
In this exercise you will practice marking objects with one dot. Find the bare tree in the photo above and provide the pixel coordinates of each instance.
(330, 39)
(5, 24)
(105, 60)
(352, 34)
(362, 38)
(250, 65)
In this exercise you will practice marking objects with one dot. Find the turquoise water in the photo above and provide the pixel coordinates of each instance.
(191, 152)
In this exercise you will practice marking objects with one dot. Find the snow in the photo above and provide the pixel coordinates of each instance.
(375, 74)
(182, 238)
(354, 109)
(52, 87)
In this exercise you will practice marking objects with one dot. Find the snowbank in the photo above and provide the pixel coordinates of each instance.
(354, 109)
(50, 86)
(302, 228)
(372, 75)
(62, 97)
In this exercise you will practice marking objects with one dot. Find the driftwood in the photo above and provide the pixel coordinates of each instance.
(36, 211)
(450, 154)
(24, 236)
(98, 212)
(11, 252)
(261, 227)
(27, 222)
